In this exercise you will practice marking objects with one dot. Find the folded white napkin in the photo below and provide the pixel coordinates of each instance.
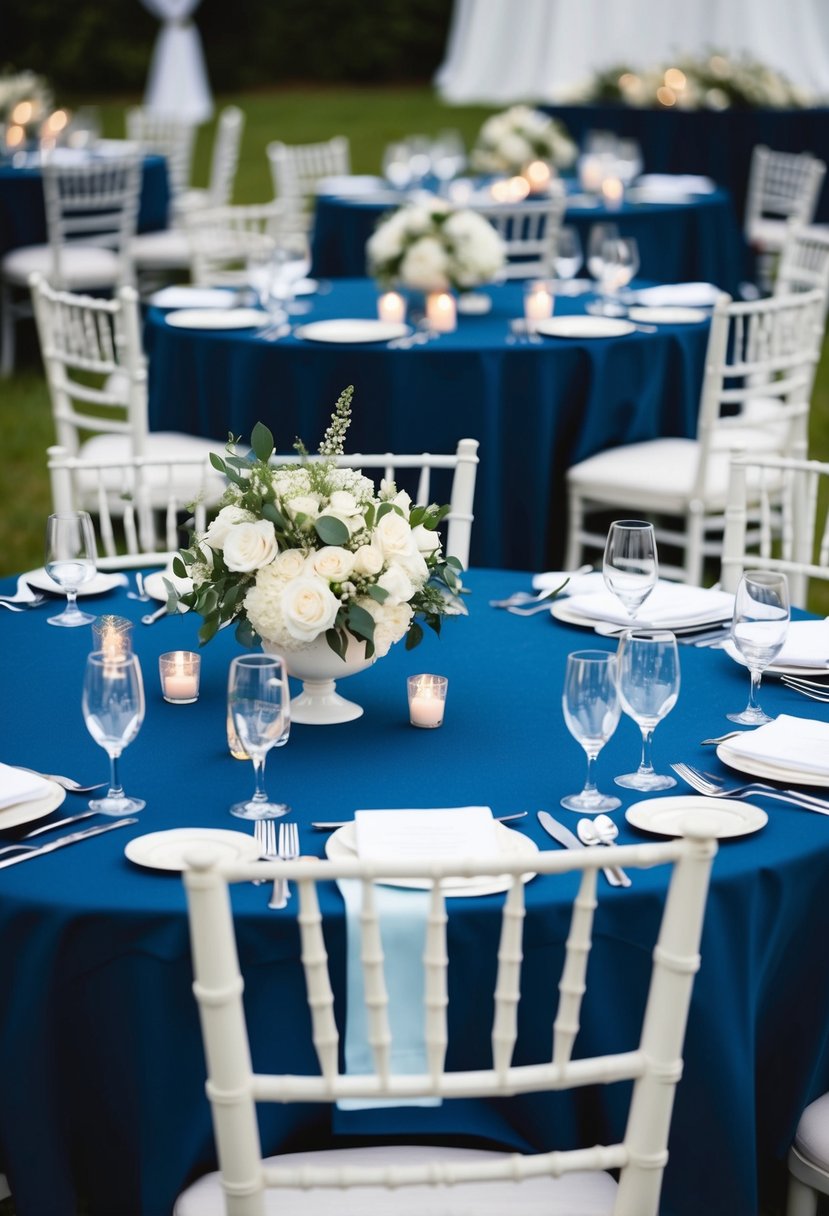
(799, 743)
(578, 584)
(676, 183)
(806, 645)
(668, 604)
(350, 184)
(695, 295)
(193, 297)
(17, 786)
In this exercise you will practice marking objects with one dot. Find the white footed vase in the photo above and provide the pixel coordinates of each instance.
(319, 667)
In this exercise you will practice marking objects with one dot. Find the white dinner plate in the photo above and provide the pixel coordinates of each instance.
(755, 767)
(777, 669)
(668, 315)
(722, 817)
(96, 586)
(584, 327)
(154, 584)
(342, 845)
(641, 194)
(34, 808)
(217, 318)
(182, 296)
(167, 850)
(562, 610)
(348, 329)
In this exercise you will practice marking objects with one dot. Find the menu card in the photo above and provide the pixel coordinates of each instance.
(435, 834)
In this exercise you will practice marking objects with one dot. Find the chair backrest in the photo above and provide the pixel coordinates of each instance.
(790, 530)
(462, 464)
(804, 260)
(529, 231)
(95, 367)
(143, 508)
(781, 186)
(168, 135)
(223, 239)
(92, 203)
(296, 169)
(654, 1066)
(762, 353)
(225, 158)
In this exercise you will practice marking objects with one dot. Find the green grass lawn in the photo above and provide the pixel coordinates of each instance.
(370, 118)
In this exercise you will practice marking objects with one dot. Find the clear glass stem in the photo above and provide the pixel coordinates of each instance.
(754, 689)
(646, 763)
(116, 790)
(259, 794)
(590, 786)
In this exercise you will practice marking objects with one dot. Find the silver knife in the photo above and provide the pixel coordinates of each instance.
(330, 827)
(570, 841)
(61, 843)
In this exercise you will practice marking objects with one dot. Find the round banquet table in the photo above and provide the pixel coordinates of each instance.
(22, 214)
(535, 408)
(688, 241)
(100, 1051)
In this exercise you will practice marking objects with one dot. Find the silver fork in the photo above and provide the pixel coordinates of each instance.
(288, 850)
(807, 688)
(264, 834)
(140, 593)
(712, 789)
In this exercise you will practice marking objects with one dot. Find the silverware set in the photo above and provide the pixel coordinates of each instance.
(29, 852)
(817, 690)
(712, 787)
(283, 848)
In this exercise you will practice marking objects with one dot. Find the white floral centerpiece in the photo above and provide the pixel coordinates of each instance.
(507, 142)
(432, 247)
(308, 551)
(17, 87)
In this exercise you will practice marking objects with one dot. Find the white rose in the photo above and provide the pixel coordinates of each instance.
(332, 563)
(344, 506)
(397, 583)
(368, 559)
(394, 536)
(427, 540)
(390, 623)
(515, 150)
(216, 534)
(308, 608)
(425, 266)
(414, 566)
(384, 245)
(250, 546)
(304, 504)
(289, 563)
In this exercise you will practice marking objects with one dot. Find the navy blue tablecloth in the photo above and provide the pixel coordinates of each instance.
(536, 409)
(677, 242)
(22, 214)
(100, 1051)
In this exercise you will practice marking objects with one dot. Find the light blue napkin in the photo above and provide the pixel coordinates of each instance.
(403, 914)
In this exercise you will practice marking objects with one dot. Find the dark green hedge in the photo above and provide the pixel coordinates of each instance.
(103, 46)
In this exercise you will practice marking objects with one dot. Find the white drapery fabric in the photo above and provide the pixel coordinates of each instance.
(177, 82)
(500, 51)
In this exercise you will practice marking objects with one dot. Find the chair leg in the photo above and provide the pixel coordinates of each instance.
(575, 548)
(694, 532)
(802, 1199)
(7, 335)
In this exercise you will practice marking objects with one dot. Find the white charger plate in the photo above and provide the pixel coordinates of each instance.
(585, 327)
(154, 584)
(167, 850)
(755, 767)
(562, 611)
(34, 808)
(722, 817)
(777, 669)
(342, 846)
(673, 315)
(352, 329)
(217, 318)
(182, 296)
(96, 586)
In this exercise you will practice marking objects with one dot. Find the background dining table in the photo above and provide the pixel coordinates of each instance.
(100, 1051)
(536, 408)
(696, 238)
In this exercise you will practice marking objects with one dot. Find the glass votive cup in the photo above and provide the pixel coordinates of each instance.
(179, 671)
(538, 302)
(391, 307)
(112, 635)
(427, 700)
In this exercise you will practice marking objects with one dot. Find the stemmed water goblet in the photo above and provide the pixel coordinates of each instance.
(591, 712)
(569, 255)
(291, 262)
(259, 704)
(113, 709)
(598, 237)
(648, 689)
(70, 561)
(396, 167)
(620, 262)
(758, 630)
(630, 567)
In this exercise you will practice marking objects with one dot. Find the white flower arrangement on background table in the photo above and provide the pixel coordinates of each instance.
(305, 549)
(431, 246)
(508, 141)
(17, 87)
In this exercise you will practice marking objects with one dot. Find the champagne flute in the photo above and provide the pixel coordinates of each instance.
(648, 690)
(758, 630)
(591, 711)
(630, 565)
(569, 256)
(259, 702)
(113, 709)
(70, 561)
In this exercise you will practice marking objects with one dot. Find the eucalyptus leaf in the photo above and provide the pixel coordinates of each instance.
(261, 440)
(380, 594)
(179, 567)
(209, 628)
(336, 641)
(331, 531)
(246, 635)
(414, 637)
(360, 622)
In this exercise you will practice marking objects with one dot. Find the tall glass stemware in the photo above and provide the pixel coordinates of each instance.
(70, 561)
(113, 709)
(259, 702)
(569, 255)
(630, 566)
(648, 690)
(620, 262)
(591, 712)
(597, 238)
(758, 630)
(291, 262)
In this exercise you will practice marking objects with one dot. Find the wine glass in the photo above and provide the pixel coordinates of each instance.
(630, 565)
(648, 690)
(591, 711)
(758, 630)
(620, 262)
(70, 561)
(569, 255)
(597, 238)
(447, 157)
(259, 702)
(290, 263)
(628, 160)
(396, 168)
(113, 709)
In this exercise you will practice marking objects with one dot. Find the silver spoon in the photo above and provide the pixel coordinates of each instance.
(150, 617)
(589, 835)
(607, 832)
(141, 594)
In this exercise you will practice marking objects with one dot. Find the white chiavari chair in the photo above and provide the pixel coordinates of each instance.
(782, 186)
(529, 231)
(297, 168)
(223, 164)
